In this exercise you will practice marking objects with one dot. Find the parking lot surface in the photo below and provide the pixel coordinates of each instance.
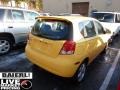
(103, 73)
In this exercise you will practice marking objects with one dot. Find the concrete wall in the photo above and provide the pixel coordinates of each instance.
(65, 6)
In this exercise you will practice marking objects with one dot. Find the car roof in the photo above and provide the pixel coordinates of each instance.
(67, 18)
(17, 9)
(108, 12)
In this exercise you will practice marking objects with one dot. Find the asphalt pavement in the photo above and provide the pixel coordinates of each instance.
(103, 73)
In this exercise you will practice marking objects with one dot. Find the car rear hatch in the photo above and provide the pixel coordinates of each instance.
(48, 36)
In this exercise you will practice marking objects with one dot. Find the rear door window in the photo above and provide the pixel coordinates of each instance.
(18, 15)
(52, 29)
(2, 12)
(82, 29)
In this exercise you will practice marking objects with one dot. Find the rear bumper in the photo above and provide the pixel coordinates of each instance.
(60, 66)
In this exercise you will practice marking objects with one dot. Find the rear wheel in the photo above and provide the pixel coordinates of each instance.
(80, 74)
(5, 45)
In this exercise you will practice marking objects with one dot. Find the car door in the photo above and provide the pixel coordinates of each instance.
(16, 25)
(117, 23)
(90, 39)
(102, 36)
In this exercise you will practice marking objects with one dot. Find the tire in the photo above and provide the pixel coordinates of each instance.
(80, 74)
(35, 66)
(105, 49)
(5, 45)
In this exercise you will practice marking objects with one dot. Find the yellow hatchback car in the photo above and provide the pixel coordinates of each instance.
(65, 45)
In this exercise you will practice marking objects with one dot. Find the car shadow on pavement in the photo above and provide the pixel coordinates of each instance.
(115, 42)
(16, 50)
(97, 70)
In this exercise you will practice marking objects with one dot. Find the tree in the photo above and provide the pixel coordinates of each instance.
(19, 1)
(39, 4)
(5, 1)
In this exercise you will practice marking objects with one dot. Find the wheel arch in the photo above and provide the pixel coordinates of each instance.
(86, 60)
(9, 35)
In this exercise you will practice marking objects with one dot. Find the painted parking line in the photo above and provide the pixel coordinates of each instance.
(110, 73)
(113, 48)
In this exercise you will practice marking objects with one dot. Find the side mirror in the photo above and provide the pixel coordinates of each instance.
(107, 31)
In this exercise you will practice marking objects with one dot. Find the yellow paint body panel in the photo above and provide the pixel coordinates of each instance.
(45, 53)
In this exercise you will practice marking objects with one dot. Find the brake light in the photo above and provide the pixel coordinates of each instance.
(118, 86)
(68, 48)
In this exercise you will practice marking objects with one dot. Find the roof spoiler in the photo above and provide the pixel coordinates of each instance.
(51, 17)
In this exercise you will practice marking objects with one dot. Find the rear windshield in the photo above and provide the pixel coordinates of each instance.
(1, 14)
(52, 29)
(104, 17)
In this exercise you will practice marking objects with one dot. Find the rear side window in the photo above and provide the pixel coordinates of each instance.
(99, 28)
(52, 29)
(2, 11)
(90, 29)
(30, 16)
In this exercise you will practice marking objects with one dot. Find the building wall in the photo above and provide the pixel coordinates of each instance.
(55, 6)
(65, 6)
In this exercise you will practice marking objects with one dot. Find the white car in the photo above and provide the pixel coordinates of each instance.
(45, 14)
(15, 25)
(110, 20)
(68, 14)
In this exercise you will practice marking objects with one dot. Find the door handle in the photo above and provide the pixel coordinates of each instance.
(10, 26)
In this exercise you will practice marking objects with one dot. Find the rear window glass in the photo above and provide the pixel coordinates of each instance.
(52, 29)
(104, 17)
(1, 14)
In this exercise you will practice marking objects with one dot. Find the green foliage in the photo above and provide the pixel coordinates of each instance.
(38, 3)
(18, 1)
(5, 1)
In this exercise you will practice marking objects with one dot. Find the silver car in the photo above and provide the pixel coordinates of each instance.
(110, 20)
(15, 25)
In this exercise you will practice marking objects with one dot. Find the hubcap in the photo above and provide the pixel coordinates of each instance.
(81, 72)
(4, 46)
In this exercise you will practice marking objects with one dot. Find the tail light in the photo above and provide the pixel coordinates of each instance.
(68, 48)
(118, 86)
